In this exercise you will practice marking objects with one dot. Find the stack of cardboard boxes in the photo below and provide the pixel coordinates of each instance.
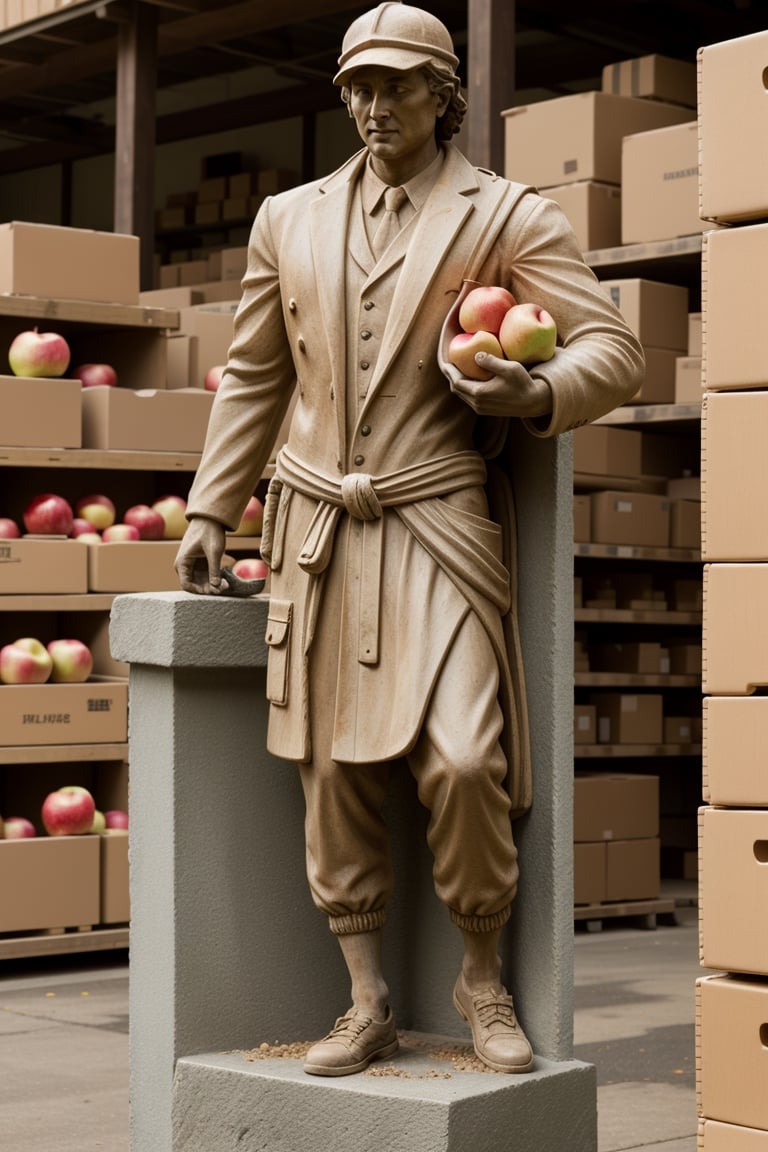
(732, 1006)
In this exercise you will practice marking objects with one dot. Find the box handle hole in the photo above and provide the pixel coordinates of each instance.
(760, 849)
(765, 77)
(764, 1035)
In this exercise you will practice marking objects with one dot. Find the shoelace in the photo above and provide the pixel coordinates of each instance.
(493, 1009)
(349, 1027)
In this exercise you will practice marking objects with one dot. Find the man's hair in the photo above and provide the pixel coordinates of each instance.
(437, 78)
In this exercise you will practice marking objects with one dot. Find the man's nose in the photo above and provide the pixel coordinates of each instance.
(379, 107)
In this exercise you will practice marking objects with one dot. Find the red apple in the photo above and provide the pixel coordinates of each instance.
(213, 377)
(252, 519)
(250, 568)
(96, 375)
(25, 661)
(120, 533)
(19, 828)
(150, 523)
(38, 354)
(72, 661)
(79, 527)
(172, 509)
(462, 349)
(97, 509)
(49, 515)
(528, 334)
(9, 529)
(116, 818)
(484, 308)
(68, 812)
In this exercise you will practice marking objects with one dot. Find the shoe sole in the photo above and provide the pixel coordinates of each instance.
(509, 1068)
(350, 1069)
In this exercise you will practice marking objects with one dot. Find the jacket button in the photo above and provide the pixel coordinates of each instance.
(365, 430)
(365, 334)
(291, 305)
(368, 305)
(302, 345)
(359, 460)
(365, 364)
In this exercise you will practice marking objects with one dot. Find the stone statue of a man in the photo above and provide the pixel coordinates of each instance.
(390, 606)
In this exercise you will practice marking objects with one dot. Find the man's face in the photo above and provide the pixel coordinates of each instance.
(395, 113)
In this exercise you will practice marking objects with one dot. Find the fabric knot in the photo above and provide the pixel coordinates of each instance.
(394, 198)
(359, 496)
(389, 225)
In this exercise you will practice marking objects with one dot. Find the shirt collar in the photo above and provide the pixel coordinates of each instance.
(417, 188)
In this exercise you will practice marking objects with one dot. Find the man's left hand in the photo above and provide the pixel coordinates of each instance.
(511, 391)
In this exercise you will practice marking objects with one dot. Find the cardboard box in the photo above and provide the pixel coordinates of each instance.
(584, 724)
(593, 210)
(168, 276)
(147, 420)
(684, 657)
(733, 751)
(684, 488)
(270, 181)
(213, 325)
(243, 183)
(582, 511)
(658, 386)
(647, 658)
(40, 413)
(656, 312)
(136, 354)
(716, 1137)
(49, 882)
(177, 296)
(212, 189)
(653, 77)
(685, 524)
(632, 869)
(734, 166)
(589, 873)
(694, 333)
(192, 271)
(629, 718)
(601, 450)
(68, 263)
(688, 388)
(179, 361)
(660, 185)
(731, 1054)
(208, 212)
(638, 518)
(176, 216)
(40, 714)
(735, 626)
(114, 904)
(734, 475)
(734, 286)
(615, 806)
(134, 566)
(664, 454)
(733, 886)
(679, 730)
(33, 565)
(578, 137)
(228, 263)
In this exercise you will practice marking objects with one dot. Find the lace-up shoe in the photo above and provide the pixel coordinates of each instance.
(498, 1039)
(353, 1042)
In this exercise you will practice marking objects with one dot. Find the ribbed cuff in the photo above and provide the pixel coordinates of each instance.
(357, 922)
(481, 923)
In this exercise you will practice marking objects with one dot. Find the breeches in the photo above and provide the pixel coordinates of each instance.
(459, 769)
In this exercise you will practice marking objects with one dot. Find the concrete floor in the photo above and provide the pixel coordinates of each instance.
(64, 1042)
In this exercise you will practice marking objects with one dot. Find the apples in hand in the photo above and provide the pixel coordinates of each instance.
(49, 515)
(72, 661)
(528, 334)
(68, 812)
(484, 308)
(25, 661)
(36, 353)
(464, 346)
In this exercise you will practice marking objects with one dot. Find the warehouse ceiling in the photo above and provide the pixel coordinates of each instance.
(57, 77)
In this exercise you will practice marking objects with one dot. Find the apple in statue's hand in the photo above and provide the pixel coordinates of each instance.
(116, 818)
(150, 523)
(49, 515)
(173, 511)
(19, 828)
(484, 308)
(528, 334)
(250, 568)
(72, 661)
(68, 811)
(252, 519)
(36, 353)
(25, 661)
(9, 529)
(462, 349)
(96, 375)
(97, 509)
(213, 378)
(119, 534)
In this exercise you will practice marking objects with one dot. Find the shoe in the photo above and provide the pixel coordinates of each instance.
(353, 1042)
(498, 1039)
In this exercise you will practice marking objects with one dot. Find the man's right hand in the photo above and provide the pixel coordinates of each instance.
(198, 561)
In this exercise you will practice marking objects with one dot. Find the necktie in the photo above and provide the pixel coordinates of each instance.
(389, 225)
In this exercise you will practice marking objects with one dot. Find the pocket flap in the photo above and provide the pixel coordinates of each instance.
(278, 621)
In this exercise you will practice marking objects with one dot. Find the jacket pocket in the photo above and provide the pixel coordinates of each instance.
(278, 636)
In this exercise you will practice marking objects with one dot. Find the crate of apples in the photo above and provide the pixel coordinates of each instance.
(491, 320)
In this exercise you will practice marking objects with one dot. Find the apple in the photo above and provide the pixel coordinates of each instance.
(99, 822)
(119, 533)
(68, 812)
(49, 515)
(80, 527)
(528, 334)
(97, 509)
(72, 661)
(96, 375)
(150, 523)
(250, 568)
(173, 511)
(89, 537)
(19, 828)
(9, 529)
(213, 377)
(484, 308)
(462, 349)
(252, 519)
(25, 661)
(38, 354)
(116, 818)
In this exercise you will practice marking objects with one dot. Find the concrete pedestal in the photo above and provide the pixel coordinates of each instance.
(227, 950)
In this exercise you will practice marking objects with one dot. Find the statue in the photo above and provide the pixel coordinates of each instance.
(392, 628)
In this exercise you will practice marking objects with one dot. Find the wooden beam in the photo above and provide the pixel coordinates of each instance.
(135, 133)
(490, 78)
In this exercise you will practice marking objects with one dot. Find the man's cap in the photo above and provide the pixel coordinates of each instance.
(396, 36)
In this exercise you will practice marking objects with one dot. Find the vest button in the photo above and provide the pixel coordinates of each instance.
(368, 305)
(365, 334)
(364, 364)
(365, 430)
(359, 460)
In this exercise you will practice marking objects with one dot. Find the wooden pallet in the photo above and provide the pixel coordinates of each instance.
(644, 913)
